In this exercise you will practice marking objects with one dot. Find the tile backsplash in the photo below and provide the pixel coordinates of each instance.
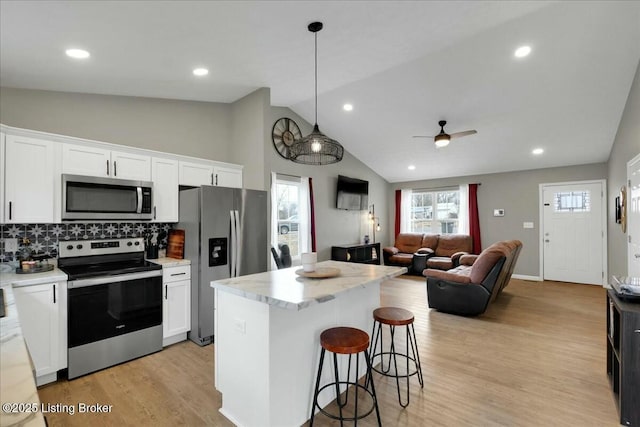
(45, 238)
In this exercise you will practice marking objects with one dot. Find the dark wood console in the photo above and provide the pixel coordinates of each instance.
(623, 356)
(363, 253)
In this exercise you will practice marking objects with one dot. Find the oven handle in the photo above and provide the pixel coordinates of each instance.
(112, 279)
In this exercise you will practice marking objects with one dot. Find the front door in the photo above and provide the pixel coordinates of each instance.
(573, 232)
(633, 216)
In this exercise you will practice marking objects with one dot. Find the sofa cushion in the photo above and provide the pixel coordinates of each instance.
(486, 260)
(441, 263)
(401, 258)
(430, 240)
(409, 242)
(446, 275)
(449, 244)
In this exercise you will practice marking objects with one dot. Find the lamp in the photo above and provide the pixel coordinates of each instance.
(316, 148)
(375, 221)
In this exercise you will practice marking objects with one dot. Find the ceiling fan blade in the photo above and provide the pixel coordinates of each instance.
(461, 134)
(422, 136)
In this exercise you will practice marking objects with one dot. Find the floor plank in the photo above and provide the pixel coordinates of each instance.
(536, 357)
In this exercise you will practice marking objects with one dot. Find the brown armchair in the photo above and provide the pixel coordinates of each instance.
(448, 251)
(402, 253)
(469, 288)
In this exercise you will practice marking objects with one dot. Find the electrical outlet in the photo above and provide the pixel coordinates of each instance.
(11, 245)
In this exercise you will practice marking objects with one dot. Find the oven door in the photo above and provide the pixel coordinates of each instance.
(106, 307)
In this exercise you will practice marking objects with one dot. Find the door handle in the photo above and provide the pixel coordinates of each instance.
(54, 293)
(10, 206)
(154, 212)
(115, 170)
(107, 167)
(216, 179)
(165, 291)
(211, 179)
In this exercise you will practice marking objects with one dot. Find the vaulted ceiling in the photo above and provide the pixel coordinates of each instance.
(402, 65)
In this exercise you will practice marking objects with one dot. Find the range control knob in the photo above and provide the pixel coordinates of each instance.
(79, 247)
(69, 247)
(129, 243)
(137, 243)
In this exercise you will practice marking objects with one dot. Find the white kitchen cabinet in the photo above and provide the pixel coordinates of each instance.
(176, 304)
(30, 180)
(95, 161)
(43, 322)
(164, 174)
(227, 177)
(197, 174)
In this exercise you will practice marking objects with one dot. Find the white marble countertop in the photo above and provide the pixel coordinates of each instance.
(170, 262)
(55, 275)
(285, 289)
(17, 384)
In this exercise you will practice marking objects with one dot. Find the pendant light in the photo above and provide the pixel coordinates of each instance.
(316, 148)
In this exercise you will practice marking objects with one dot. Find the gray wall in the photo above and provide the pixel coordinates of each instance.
(199, 129)
(625, 147)
(517, 193)
(333, 226)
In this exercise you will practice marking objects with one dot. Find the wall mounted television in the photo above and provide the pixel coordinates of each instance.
(352, 194)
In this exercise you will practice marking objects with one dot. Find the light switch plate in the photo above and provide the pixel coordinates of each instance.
(498, 212)
(11, 245)
(527, 225)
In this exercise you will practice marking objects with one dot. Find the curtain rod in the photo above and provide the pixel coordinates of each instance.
(447, 187)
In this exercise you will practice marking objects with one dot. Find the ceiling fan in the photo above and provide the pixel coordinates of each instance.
(442, 139)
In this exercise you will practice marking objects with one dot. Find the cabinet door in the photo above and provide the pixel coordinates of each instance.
(2, 176)
(227, 177)
(196, 174)
(38, 312)
(29, 180)
(131, 166)
(86, 160)
(164, 174)
(176, 317)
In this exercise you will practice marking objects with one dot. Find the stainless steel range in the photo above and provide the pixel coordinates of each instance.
(114, 303)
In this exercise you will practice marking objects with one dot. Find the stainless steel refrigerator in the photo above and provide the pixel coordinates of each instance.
(225, 236)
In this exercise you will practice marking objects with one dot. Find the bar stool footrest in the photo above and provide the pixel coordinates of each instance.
(356, 416)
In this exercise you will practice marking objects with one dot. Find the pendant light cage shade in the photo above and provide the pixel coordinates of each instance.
(316, 148)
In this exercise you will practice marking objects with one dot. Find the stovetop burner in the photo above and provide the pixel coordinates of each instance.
(86, 259)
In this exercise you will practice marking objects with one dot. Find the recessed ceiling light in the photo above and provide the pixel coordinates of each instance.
(411, 167)
(537, 151)
(347, 107)
(522, 51)
(77, 53)
(200, 72)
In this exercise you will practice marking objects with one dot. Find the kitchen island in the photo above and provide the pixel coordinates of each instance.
(267, 337)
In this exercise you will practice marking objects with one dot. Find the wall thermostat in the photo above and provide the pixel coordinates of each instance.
(498, 212)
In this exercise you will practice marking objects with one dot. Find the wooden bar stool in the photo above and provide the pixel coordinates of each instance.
(346, 341)
(393, 317)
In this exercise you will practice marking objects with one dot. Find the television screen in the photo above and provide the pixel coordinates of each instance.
(352, 194)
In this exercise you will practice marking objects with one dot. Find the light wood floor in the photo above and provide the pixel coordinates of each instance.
(535, 358)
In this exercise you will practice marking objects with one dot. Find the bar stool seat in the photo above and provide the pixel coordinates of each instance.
(345, 341)
(393, 317)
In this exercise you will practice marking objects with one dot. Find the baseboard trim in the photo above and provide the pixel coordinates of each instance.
(527, 277)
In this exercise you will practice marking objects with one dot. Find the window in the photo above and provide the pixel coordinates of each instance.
(572, 201)
(434, 211)
(291, 214)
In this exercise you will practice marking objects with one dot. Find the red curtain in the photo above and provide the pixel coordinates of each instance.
(398, 205)
(313, 216)
(474, 219)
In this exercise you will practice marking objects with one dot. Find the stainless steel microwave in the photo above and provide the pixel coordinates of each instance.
(95, 198)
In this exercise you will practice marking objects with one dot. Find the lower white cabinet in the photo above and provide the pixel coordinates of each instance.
(176, 304)
(42, 313)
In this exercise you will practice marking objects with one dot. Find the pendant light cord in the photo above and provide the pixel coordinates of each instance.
(316, 73)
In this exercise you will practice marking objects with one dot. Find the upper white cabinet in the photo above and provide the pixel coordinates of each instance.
(30, 180)
(209, 173)
(2, 177)
(95, 161)
(164, 174)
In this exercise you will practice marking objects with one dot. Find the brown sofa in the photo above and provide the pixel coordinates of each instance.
(469, 288)
(441, 251)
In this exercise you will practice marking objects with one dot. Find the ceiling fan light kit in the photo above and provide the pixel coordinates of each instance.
(316, 148)
(442, 140)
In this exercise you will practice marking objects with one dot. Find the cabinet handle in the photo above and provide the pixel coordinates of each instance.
(107, 167)
(165, 291)
(154, 212)
(10, 207)
(211, 179)
(115, 170)
(178, 274)
(216, 179)
(54, 293)
(637, 331)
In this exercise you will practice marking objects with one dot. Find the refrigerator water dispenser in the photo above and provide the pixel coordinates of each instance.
(217, 251)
